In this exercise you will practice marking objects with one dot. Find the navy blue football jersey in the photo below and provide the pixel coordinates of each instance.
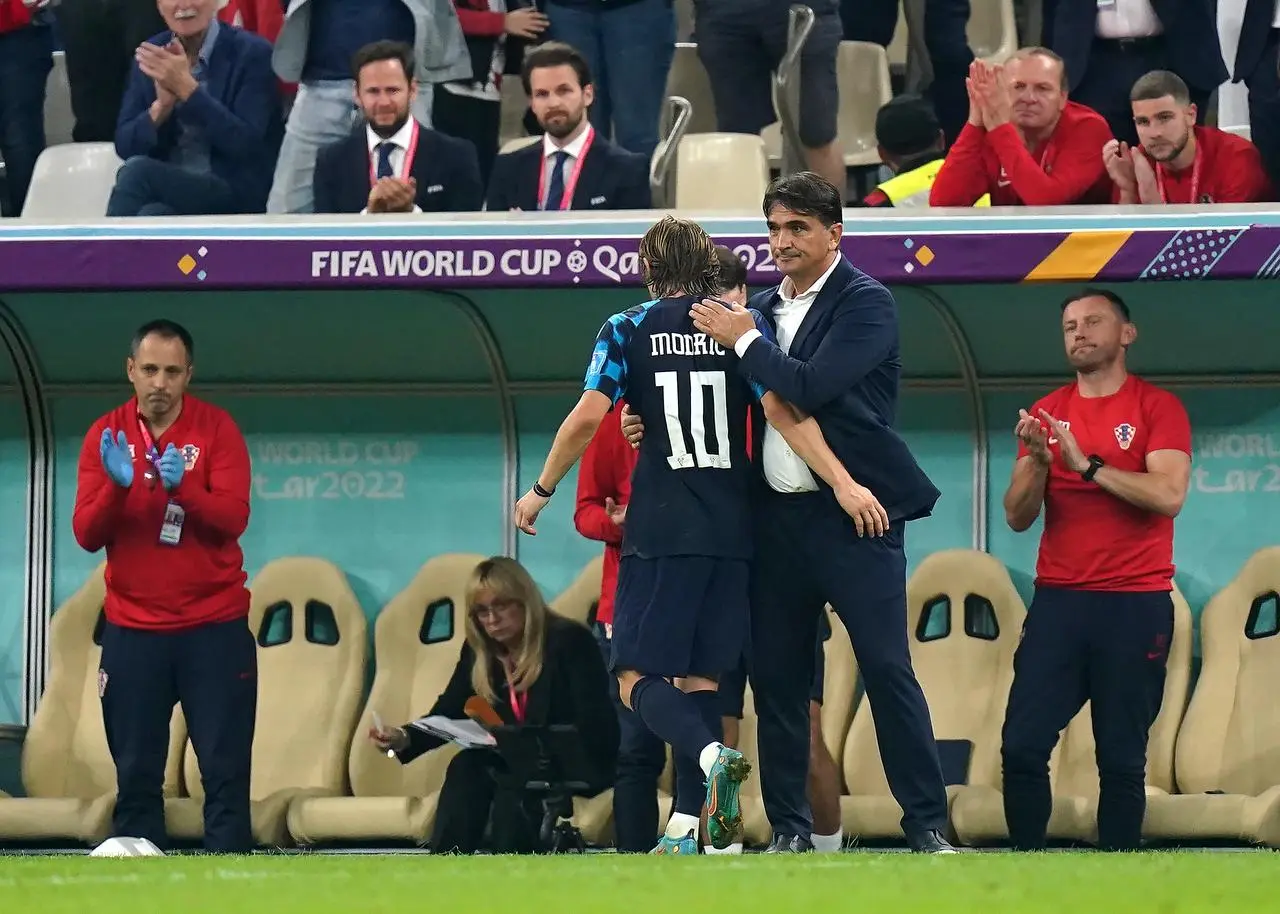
(689, 492)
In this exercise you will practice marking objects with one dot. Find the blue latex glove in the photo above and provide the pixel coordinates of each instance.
(171, 466)
(115, 458)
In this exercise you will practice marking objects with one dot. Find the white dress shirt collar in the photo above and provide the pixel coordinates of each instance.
(573, 148)
(401, 138)
(786, 291)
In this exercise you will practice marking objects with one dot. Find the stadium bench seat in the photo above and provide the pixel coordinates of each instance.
(964, 618)
(72, 182)
(312, 642)
(418, 637)
(1227, 760)
(67, 772)
(977, 813)
(720, 171)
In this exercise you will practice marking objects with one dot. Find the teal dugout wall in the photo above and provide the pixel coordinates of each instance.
(388, 425)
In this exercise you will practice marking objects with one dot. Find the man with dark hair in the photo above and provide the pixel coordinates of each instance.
(572, 166)
(680, 613)
(393, 163)
(911, 143)
(1179, 162)
(836, 359)
(1108, 457)
(163, 486)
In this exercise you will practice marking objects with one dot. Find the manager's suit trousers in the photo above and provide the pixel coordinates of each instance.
(808, 554)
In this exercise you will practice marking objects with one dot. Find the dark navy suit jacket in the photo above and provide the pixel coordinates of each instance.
(843, 369)
(446, 168)
(611, 178)
(237, 109)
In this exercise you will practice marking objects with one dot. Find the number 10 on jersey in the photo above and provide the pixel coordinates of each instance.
(699, 381)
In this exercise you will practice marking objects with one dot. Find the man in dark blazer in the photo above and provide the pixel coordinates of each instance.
(1256, 67)
(391, 163)
(836, 359)
(200, 124)
(571, 166)
(1106, 54)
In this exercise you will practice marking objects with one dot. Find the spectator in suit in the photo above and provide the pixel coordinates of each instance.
(392, 163)
(1109, 46)
(200, 125)
(572, 167)
(26, 57)
(1257, 68)
(532, 667)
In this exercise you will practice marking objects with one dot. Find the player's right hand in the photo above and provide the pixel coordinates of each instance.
(869, 516)
(1033, 434)
(632, 427)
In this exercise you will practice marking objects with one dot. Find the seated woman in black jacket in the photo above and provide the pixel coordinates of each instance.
(533, 667)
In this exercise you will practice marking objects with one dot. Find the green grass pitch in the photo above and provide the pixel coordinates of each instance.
(868, 883)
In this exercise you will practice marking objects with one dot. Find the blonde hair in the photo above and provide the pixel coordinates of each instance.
(679, 258)
(506, 579)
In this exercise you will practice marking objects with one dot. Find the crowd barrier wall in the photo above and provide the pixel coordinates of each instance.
(394, 417)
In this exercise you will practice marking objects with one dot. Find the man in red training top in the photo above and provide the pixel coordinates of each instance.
(1025, 143)
(1109, 459)
(1183, 163)
(163, 486)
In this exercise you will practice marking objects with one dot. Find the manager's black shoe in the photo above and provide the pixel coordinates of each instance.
(789, 844)
(930, 842)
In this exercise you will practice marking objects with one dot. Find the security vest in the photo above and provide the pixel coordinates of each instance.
(911, 188)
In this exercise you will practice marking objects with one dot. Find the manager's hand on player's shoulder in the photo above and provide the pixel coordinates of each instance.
(724, 323)
(869, 516)
(632, 427)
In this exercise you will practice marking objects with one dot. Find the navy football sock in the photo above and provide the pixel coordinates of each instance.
(691, 782)
(672, 716)
(709, 707)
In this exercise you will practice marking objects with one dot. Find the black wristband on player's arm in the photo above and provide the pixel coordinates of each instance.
(541, 492)
(1095, 464)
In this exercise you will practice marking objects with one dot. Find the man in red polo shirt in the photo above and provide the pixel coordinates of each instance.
(1180, 162)
(1108, 457)
(163, 486)
(1025, 143)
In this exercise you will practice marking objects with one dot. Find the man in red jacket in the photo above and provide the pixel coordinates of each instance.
(1025, 143)
(163, 486)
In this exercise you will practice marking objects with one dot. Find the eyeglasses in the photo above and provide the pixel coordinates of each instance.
(496, 608)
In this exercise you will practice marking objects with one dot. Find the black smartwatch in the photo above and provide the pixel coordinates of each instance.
(1094, 463)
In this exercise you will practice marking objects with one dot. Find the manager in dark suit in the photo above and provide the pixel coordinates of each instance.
(572, 167)
(1256, 67)
(836, 359)
(392, 163)
(1107, 50)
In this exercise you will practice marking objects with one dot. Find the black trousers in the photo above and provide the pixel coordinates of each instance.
(471, 119)
(100, 37)
(641, 758)
(478, 802)
(1109, 649)
(212, 670)
(808, 554)
(1264, 107)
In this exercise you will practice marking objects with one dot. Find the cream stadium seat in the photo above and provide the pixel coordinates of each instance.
(992, 30)
(1227, 760)
(67, 772)
(519, 143)
(312, 640)
(59, 120)
(72, 182)
(688, 78)
(964, 618)
(720, 171)
(418, 637)
(977, 813)
(514, 104)
(862, 71)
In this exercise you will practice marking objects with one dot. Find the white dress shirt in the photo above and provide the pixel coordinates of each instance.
(400, 141)
(784, 470)
(574, 150)
(1127, 19)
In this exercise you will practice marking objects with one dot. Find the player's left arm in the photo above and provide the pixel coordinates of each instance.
(220, 511)
(1162, 488)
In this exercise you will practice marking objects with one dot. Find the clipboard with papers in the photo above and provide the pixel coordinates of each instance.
(465, 733)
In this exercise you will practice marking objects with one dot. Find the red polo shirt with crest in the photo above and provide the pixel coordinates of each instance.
(1092, 539)
(201, 579)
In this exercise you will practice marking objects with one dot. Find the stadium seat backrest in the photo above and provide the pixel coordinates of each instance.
(862, 68)
(579, 600)
(417, 640)
(65, 753)
(1074, 766)
(720, 171)
(1230, 736)
(72, 182)
(688, 79)
(312, 640)
(964, 619)
(839, 686)
(992, 30)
